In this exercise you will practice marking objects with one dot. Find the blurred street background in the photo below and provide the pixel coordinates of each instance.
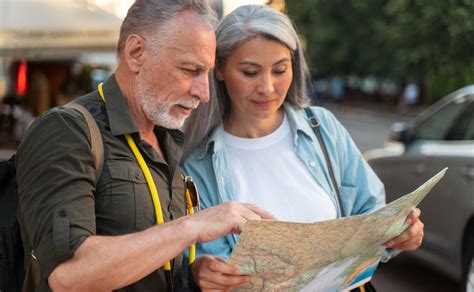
(373, 63)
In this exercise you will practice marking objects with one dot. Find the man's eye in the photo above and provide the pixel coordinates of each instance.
(191, 71)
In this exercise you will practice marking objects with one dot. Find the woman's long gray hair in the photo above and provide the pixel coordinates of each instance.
(243, 24)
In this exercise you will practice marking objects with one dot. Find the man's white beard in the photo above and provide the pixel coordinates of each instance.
(160, 113)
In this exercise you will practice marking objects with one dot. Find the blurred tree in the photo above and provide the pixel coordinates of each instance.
(341, 36)
(427, 41)
(434, 41)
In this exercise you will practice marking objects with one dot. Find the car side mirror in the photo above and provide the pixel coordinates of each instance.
(399, 132)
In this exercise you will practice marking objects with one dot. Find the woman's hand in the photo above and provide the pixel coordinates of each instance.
(212, 273)
(412, 238)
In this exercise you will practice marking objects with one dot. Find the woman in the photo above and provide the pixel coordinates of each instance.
(262, 149)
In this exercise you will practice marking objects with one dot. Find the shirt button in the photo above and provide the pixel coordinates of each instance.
(62, 213)
(138, 175)
(312, 163)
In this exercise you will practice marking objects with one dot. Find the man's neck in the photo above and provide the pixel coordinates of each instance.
(145, 127)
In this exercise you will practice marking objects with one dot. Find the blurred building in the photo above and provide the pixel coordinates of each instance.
(50, 52)
(222, 7)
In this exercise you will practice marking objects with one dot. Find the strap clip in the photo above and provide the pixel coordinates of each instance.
(314, 122)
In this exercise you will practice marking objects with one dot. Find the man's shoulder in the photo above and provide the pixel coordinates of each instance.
(91, 98)
(61, 121)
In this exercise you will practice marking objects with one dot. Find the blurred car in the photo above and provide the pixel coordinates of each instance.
(442, 136)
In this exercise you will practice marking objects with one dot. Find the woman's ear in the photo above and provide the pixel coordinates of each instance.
(219, 75)
(135, 52)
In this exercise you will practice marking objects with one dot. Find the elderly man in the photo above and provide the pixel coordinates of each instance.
(90, 236)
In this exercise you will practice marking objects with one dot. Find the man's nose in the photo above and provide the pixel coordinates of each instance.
(266, 86)
(200, 88)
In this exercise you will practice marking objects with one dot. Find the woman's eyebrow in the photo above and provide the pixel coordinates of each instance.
(248, 62)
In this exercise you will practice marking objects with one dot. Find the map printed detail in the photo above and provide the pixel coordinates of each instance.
(331, 255)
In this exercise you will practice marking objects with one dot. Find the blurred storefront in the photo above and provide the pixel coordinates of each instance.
(50, 52)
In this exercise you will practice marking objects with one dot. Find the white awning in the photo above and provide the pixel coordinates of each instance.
(55, 28)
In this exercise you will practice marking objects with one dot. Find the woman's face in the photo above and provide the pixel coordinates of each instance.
(257, 77)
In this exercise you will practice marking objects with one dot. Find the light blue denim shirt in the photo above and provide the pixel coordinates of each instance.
(360, 188)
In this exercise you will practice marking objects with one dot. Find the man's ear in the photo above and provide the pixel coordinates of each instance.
(135, 52)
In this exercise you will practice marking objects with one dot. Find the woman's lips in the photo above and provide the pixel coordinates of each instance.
(264, 103)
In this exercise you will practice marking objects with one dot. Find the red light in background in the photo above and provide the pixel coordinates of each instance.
(21, 81)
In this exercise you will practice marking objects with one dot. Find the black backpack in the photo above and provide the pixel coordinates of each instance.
(12, 254)
(12, 269)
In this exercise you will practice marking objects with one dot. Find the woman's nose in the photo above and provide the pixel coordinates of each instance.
(266, 86)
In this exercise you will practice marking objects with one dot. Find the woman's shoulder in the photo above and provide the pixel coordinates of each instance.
(196, 154)
(201, 152)
(323, 115)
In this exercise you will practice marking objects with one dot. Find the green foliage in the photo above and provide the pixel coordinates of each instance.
(428, 41)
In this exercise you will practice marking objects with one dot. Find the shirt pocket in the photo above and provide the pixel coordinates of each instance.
(121, 201)
(348, 194)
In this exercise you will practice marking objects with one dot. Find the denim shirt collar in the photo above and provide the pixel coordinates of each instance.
(299, 123)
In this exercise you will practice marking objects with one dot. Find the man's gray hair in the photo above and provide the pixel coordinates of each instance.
(243, 24)
(146, 17)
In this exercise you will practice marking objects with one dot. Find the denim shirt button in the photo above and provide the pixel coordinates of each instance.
(312, 163)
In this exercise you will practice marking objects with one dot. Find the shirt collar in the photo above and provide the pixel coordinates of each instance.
(298, 120)
(214, 143)
(120, 119)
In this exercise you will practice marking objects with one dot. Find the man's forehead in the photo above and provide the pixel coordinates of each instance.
(192, 42)
(189, 21)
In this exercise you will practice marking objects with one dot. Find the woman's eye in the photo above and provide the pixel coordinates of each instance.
(250, 73)
(279, 72)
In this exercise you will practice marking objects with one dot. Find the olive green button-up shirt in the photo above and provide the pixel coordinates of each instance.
(60, 203)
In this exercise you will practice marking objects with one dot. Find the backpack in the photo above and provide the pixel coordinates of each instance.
(12, 254)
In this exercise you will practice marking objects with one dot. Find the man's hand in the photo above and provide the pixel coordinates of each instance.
(412, 238)
(213, 273)
(226, 218)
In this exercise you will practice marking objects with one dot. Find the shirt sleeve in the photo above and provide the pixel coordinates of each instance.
(56, 182)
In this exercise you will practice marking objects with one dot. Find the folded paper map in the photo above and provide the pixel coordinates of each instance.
(331, 255)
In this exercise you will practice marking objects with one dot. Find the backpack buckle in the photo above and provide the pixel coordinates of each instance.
(314, 122)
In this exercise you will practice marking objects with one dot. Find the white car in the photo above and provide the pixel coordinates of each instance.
(442, 136)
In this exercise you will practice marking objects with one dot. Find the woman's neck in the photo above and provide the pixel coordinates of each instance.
(246, 127)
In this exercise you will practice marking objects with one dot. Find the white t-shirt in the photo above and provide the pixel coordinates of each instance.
(268, 173)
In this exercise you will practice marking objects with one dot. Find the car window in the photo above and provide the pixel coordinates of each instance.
(442, 122)
(469, 134)
(463, 128)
